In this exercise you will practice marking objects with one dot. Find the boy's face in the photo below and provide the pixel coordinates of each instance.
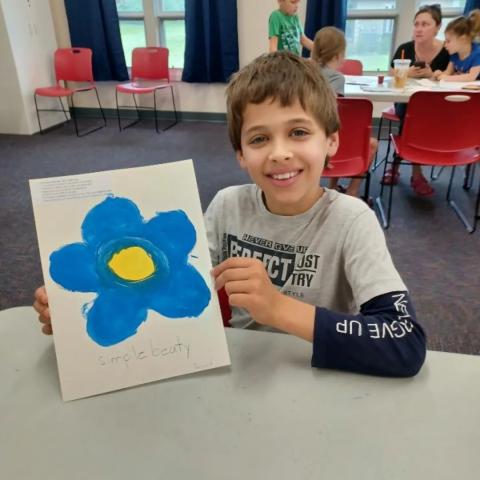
(289, 7)
(284, 151)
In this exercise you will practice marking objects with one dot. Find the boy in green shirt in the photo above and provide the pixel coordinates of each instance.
(284, 29)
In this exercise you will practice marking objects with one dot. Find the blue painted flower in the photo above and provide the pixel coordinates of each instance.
(134, 265)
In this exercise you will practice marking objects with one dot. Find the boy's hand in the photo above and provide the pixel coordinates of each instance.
(248, 286)
(41, 306)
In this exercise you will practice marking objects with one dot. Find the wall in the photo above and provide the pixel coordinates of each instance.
(9, 85)
(27, 41)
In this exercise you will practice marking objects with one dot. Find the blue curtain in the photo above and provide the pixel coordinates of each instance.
(94, 24)
(324, 13)
(471, 5)
(211, 40)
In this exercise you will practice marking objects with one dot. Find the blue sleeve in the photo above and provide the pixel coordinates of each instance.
(383, 339)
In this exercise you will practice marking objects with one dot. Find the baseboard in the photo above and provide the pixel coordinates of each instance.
(127, 113)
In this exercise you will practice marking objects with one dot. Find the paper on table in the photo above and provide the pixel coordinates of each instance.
(426, 82)
(443, 85)
(376, 88)
(358, 80)
(456, 85)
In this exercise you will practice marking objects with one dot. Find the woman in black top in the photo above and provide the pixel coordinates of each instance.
(427, 54)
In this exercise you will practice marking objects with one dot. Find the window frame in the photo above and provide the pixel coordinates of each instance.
(162, 16)
(378, 14)
(136, 16)
(153, 17)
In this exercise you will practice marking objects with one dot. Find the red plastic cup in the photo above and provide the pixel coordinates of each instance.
(380, 79)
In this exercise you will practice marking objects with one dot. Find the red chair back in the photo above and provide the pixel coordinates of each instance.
(353, 154)
(150, 63)
(442, 121)
(351, 67)
(73, 65)
(225, 308)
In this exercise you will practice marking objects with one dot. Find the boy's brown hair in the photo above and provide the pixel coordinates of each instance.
(328, 43)
(285, 77)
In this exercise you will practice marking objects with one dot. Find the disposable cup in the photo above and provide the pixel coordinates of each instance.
(400, 72)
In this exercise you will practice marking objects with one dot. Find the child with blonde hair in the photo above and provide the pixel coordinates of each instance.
(329, 46)
(464, 52)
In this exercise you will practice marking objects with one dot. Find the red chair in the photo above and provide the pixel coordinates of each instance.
(440, 129)
(150, 74)
(353, 155)
(225, 308)
(71, 65)
(351, 67)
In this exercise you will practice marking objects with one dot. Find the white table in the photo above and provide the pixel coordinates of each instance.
(268, 416)
(384, 93)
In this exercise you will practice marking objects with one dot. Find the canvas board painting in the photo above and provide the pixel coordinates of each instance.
(126, 266)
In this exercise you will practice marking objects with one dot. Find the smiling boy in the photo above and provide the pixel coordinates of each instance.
(292, 255)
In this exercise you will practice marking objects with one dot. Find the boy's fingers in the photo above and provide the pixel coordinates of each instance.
(47, 329)
(41, 294)
(44, 314)
(239, 286)
(233, 262)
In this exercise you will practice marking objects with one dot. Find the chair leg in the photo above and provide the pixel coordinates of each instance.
(74, 116)
(433, 175)
(366, 192)
(174, 111)
(385, 218)
(118, 111)
(375, 162)
(155, 109)
(389, 144)
(63, 108)
(471, 227)
(101, 109)
(120, 128)
(38, 114)
(469, 176)
(75, 122)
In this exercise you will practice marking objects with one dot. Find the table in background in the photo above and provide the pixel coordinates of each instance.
(384, 92)
(268, 416)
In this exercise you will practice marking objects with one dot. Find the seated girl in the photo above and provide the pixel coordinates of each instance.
(464, 52)
(328, 51)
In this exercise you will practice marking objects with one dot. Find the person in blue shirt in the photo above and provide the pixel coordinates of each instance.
(464, 52)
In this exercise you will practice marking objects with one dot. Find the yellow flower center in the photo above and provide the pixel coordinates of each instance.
(132, 263)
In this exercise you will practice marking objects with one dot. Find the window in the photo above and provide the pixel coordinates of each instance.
(153, 22)
(370, 32)
(376, 27)
(132, 26)
(171, 19)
